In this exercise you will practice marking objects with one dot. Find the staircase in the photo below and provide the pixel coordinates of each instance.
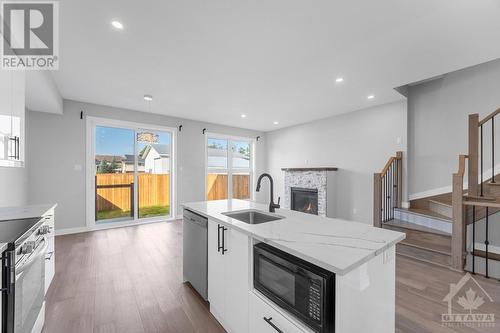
(440, 229)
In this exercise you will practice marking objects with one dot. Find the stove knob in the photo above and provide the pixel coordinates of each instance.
(45, 229)
(27, 247)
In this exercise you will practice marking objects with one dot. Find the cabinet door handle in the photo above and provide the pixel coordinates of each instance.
(269, 321)
(18, 157)
(224, 250)
(219, 227)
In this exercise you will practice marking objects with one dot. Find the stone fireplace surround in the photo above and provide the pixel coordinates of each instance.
(312, 178)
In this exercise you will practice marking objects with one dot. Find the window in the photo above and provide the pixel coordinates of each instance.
(229, 167)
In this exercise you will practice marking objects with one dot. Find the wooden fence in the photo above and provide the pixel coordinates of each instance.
(217, 186)
(115, 190)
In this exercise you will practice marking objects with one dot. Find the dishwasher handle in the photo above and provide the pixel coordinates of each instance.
(195, 218)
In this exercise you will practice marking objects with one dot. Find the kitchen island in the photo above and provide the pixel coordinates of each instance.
(361, 257)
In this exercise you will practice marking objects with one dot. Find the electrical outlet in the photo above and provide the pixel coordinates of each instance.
(398, 140)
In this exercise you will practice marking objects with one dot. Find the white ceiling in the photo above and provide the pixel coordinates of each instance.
(273, 60)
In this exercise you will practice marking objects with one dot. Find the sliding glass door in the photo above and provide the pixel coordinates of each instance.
(132, 172)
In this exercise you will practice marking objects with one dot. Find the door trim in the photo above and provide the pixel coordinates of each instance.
(90, 123)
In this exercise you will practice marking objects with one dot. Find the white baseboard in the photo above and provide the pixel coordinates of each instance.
(68, 231)
(430, 193)
(448, 189)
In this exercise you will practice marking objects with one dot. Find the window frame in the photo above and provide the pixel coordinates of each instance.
(230, 171)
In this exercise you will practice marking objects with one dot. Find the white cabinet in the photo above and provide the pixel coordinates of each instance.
(12, 114)
(228, 276)
(50, 258)
(265, 319)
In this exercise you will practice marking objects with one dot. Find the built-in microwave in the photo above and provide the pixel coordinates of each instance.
(299, 287)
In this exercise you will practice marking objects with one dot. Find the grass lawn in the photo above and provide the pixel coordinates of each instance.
(149, 211)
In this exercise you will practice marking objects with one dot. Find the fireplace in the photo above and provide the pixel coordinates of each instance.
(304, 200)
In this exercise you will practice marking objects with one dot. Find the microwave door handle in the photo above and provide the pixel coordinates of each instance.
(269, 321)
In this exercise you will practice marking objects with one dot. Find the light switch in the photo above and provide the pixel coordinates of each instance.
(77, 167)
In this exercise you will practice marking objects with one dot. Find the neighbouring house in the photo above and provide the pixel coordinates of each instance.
(108, 160)
(128, 164)
(156, 159)
(218, 157)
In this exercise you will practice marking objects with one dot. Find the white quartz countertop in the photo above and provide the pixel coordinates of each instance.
(334, 244)
(23, 212)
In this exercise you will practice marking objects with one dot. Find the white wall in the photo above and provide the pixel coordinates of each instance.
(358, 143)
(437, 123)
(57, 145)
(13, 188)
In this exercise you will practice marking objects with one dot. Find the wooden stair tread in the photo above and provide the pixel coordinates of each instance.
(399, 224)
(481, 203)
(482, 254)
(423, 240)
(442, 201)
(423, 255)
(427, 213)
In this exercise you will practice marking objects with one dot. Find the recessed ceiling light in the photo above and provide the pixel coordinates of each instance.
(148, 98)
(117, 25)
(339, 79)
(275, 123)
(243, 116)
(370, 96)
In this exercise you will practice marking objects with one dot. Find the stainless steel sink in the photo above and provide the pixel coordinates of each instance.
(253, 216)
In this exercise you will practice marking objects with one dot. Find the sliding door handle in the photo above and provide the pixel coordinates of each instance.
(269, 321)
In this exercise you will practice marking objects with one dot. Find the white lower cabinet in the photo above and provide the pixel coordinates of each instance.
(50, 258)
(265, 319)
(228, 276)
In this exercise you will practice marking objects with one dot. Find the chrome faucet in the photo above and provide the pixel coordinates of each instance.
(272, 205)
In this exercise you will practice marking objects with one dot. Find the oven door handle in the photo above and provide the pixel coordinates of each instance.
(40, 250)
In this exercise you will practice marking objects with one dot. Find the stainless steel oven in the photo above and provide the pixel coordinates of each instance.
(23, 281)
(301, 288)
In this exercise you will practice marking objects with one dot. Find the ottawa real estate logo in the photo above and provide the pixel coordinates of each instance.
(30, 31)
(467, 296)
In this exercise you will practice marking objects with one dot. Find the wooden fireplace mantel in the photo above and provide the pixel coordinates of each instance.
(310, 169)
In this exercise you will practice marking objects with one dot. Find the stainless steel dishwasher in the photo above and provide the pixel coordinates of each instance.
(194, 251)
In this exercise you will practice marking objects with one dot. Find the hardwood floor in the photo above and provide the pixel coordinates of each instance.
(130, 280)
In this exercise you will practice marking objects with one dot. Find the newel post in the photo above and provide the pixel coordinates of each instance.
(473, 154)
(399, 196)
(458, 227)
(377, 200)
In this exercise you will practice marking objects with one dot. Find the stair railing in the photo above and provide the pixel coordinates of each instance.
(475, 191)
(477, 129)
(480, 210)
(387, 190)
